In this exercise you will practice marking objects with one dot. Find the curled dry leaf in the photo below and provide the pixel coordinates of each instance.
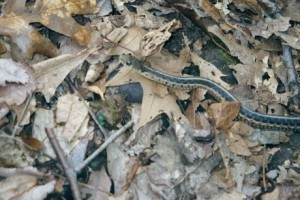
(94, 72)
(57, 15)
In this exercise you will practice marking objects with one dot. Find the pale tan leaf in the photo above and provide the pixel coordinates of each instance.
(237, 145)
(16, 82)
(130, 41)
(50, 73)
(12, 72)
(38, 192)
(15, 185)
(101, 183)
(72, 112)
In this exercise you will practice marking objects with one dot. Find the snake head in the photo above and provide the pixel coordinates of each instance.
(129, 60)
(126, 59)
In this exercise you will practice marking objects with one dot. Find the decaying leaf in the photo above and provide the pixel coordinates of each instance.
(153, 41)
(268, 26)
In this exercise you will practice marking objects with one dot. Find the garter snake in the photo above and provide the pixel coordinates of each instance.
(250, 117)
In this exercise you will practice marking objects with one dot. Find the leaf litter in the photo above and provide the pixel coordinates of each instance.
(182, 142)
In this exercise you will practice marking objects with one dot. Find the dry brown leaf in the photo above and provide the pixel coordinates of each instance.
(94, 72)
(33, 143)
(167, 62)
(196, 97)
(38, 192)
(292, 11)
(224, 113)
(241, 128)
(210, 10)
(56, 15)
(237, 144)
(12, 154)
(153, 103)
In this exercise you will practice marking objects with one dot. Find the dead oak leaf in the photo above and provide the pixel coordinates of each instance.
(156, 99)
(224, 113)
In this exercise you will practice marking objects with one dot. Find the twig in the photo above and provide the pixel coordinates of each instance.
(104, 145)
(292, 77)
(17, 126)
(69, 172)
(264, 169)
(102, 129)
(134, 53)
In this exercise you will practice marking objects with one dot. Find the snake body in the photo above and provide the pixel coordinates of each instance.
(250, 117)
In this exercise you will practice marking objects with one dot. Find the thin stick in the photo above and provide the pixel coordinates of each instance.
(104, 145)
(118, 45)
(264, 170)
(69, 172)
(17, 126)
(292, 77)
